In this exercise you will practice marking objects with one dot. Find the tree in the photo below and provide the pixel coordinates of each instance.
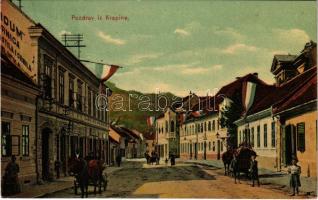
(229, 114)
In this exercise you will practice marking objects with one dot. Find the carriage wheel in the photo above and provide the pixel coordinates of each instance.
(75, 188)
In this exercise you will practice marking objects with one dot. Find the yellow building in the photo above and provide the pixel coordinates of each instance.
(167, 134)
(18, 121)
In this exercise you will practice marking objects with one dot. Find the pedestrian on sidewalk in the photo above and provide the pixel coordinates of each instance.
(118, 159)
(294, 170)
(254, 170)
(11, 183)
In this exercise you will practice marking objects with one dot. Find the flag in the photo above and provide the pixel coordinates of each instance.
(104, 72)
(197, 113)
(150, 120)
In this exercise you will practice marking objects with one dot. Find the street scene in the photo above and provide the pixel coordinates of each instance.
(149, 99)
(138, 180)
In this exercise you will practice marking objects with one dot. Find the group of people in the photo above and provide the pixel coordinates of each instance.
(294, 170)
(152, 158)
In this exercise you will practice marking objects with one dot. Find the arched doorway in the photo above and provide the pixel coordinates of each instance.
(46, 134)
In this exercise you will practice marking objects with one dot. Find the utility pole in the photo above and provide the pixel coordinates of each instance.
(74, 40)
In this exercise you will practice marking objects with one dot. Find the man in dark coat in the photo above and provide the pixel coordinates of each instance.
(118, 159)
(11, 179)
(254, 170)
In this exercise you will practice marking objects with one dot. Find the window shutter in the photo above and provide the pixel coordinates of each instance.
(301, 137)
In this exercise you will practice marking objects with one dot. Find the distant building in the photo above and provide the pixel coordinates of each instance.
(150, 142)
(167, 134)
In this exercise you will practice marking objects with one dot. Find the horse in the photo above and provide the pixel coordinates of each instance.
(86, 171)
(78, 167)
(227, 158)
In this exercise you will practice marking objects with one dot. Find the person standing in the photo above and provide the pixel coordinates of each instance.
(11, 179)
(235, 168)
(294, 170)
(118, 159)
(254, 170)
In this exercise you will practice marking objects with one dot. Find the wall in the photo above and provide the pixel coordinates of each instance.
(308, 158)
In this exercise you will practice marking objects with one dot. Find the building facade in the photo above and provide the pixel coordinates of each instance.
(67, 119)
(18, 121)
(280, 124)
(167, 134)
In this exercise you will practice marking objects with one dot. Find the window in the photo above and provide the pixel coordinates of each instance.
(94, 105)
(172, 126)
(213, 146)
(25, 140)
(265, 135)
(252, 136)
(201, 127)
(301, 136)
(89, 102)
(209, 146)
(273, 135)
(61, 86)
(213, 125)
(204, 126)
(258, 136)
(79, 96)
(239, 139)
(209, 126)
(71, 92)
(47, 79)
(167, 127)
(6, 138)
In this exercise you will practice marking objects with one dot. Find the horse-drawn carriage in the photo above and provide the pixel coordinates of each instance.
(88, 173)
(242, 155)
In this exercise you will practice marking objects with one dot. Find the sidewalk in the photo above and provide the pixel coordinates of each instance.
(36, 191)
(267, 177)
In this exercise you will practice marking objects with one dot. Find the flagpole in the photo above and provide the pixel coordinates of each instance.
(88, 61)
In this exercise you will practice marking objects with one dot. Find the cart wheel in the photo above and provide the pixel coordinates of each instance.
(75, 188)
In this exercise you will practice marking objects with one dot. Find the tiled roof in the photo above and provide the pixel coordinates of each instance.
(149, 136)
(114, 135)
(306, 92)
(266, 97)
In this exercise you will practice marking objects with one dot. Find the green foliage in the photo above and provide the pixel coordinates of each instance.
(228, 116)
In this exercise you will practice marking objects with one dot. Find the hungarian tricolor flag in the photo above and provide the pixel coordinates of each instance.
(104, 72)
(150, 121)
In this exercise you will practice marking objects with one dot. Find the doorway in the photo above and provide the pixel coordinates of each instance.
(204, 153)
(218, 150)
(289, 144)
(196, 150)
(46, 153)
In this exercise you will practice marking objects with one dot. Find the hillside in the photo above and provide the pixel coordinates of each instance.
(125, 107)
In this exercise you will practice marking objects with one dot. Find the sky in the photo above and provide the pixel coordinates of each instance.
(178, 46)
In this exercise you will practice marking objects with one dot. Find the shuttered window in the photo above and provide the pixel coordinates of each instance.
(301, 136)
(258, 136)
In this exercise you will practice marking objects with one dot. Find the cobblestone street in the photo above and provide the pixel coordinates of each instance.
(137, 179)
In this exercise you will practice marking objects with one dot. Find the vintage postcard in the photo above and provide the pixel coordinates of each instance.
(159, 99)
